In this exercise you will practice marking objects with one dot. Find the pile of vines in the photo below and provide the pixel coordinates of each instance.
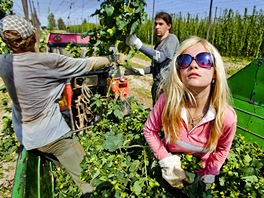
(119, 163)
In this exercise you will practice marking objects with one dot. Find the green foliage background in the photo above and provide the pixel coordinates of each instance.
(119, 163)
(233, 34)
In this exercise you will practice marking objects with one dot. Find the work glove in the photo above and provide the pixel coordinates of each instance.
(121, 58)
(99, 62)
(208, 180)
(172, 172)
(134, 71)
(117, 58)
(134, 41)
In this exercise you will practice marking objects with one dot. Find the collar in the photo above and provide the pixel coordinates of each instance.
(209, 116)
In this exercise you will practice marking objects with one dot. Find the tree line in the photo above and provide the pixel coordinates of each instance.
(233, 34)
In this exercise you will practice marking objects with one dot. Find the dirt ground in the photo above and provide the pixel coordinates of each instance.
(7, 170)
(140, 86)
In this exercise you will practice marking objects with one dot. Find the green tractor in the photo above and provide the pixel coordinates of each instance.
(246, 86)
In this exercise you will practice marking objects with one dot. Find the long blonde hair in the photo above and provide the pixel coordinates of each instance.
(177, 95)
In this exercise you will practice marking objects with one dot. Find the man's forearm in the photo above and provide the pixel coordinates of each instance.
(99, 62)
(153, 54)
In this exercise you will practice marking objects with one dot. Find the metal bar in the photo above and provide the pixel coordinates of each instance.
(19, 180)
(246, 130)
(52, 180)
(39, 160)
(249, 113)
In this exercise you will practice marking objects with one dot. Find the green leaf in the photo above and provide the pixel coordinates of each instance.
(134, 27)
(120, 24)
(257, 164)
(222, 181)
(137, 187)
(134, 166)
(247, 171)
(109, 10)
(248, 158)
(250, 180)
(113, 142)
(190, 175)
(118, 114)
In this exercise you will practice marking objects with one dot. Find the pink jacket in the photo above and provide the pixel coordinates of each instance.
(193, 141)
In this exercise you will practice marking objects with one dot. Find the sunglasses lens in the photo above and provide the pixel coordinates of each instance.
(205, 60)
(184, 61)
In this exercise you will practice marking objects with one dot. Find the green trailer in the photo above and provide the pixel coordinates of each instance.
(33, 176)
(247, 87)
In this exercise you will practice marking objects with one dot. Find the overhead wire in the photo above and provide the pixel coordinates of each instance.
(83, 9)
(49, 6)
(59, 6)
(71, 4)
(202, 7)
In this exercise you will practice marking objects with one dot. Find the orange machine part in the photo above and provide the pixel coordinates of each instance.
(119, 86)
(65, 101)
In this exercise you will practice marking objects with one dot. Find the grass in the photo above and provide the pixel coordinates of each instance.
(233, 65)
(142, 56)
(136, 65)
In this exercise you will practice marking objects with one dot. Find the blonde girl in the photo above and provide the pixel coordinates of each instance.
(195, 112)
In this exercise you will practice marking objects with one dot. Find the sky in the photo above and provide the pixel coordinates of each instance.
(75, 11)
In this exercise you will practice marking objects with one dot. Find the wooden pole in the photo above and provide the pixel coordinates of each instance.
(209, 19)
(153, 22)
(25, 9)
